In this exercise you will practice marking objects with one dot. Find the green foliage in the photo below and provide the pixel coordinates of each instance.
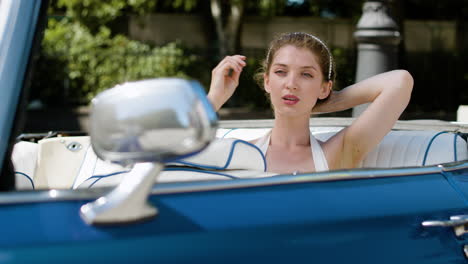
(83, 64)
(93, 13)
(186, 5)
(271, 7)
(345, 60)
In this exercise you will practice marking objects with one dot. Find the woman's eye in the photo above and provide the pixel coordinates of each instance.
(308, 75)
(280, 72)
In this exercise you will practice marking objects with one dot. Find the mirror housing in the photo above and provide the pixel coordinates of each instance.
(155, 120)
(149, 123)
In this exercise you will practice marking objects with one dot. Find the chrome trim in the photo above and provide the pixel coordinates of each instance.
(437, 125)
(460, 165)
(170, 188)
(51, 195)
(454, 221)
(458, 223)
(292, 179)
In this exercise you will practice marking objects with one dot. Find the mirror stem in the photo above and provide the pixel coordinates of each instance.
(128, 202)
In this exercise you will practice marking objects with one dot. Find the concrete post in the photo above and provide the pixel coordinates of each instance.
(378, 37)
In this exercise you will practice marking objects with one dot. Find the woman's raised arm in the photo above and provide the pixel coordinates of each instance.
(388, 94)
(225, 79)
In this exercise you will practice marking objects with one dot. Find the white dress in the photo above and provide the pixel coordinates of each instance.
(320, 160)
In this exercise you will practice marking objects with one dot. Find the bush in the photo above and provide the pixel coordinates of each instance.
(76, 65)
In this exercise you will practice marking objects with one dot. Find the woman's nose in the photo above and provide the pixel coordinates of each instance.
(291, 82)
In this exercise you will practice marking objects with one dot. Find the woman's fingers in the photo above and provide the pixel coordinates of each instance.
(234, 67)
(229, 64)
(238, 60)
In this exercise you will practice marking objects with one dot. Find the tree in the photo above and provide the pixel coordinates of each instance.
(228, 32)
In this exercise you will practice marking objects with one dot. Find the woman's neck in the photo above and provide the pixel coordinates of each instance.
(290, 131)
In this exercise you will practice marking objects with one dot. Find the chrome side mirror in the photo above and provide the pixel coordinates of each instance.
(151, 121)
(145, 123)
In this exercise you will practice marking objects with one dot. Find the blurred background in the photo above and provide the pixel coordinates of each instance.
(92, 45)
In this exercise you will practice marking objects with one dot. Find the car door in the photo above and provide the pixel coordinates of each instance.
(355, 216)
(456, 175)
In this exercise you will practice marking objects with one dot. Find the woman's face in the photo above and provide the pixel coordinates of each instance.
(295, 81)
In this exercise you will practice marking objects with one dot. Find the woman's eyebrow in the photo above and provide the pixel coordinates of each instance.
(302, 67)
(280, 65)
(309, 67)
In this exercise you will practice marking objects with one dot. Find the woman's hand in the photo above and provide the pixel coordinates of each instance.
(328, 104)
(225, 79)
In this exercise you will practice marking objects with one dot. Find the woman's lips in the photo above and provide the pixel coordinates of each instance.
(290, 99)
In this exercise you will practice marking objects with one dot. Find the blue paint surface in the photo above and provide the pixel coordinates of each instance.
(15, 51)
(333, 222)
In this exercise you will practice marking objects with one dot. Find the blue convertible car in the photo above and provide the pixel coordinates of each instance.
(160, 180)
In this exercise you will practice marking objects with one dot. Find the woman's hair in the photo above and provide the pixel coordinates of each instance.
(300, 40)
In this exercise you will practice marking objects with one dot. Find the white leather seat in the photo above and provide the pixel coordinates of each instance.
(221, 160)
(24, 158)
(82, 169)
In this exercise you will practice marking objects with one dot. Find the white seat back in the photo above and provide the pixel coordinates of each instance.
(50, 164)
(59, 160)
(24, 158)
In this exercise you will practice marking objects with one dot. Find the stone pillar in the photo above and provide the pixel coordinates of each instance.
(462, 114)
(378, 37)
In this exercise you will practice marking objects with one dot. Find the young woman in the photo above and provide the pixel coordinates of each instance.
(298, 75)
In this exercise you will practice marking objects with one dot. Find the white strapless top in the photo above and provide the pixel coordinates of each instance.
(320, 160)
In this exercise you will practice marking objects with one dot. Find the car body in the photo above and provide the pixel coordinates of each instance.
(362, 215)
